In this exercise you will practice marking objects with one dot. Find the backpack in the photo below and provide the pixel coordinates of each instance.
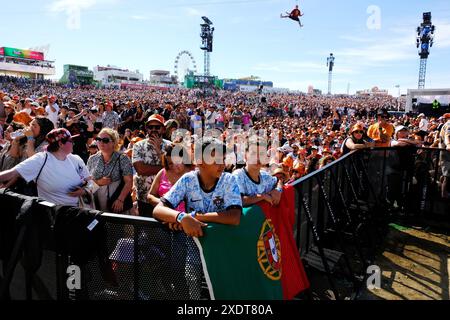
(30, 188)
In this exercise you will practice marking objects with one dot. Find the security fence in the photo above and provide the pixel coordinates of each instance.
(65, 253)
(344, 209)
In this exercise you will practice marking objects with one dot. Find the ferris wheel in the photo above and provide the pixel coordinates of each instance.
(184, 62)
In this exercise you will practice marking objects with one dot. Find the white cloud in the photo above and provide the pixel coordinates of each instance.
(288, 67)
(67, 5)
(442, 33)
(299, 67)
(194, 12)
(153, 16)
(356, 39)
(73, 8)
(399, 46)
(236, 20)
(387, 49)
(300, 85)
(304, 84)
(394, 45)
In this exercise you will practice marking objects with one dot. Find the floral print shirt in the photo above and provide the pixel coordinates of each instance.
(116, 168)
(143, 151)
(110, 120)
(224, 196)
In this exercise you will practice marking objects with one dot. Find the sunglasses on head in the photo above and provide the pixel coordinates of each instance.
(104, 140)
(153, 127)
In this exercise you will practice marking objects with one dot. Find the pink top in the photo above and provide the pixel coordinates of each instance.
(246, 118)
(165, 186)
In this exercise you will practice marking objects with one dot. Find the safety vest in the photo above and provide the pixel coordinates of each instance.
(436, 104)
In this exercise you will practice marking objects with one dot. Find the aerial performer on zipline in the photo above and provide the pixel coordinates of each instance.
(295, 14)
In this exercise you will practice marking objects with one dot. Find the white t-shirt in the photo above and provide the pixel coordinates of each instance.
(52, 116)
(210, 117)
(57, 178)
(423, 125)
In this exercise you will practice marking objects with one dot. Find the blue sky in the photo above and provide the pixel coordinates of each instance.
(250, 38)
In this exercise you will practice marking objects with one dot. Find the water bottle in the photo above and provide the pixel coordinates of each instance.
(17, 134)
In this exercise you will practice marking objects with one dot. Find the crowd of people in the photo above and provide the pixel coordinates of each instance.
(135, 151)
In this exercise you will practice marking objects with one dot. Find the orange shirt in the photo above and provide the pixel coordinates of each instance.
(374, 133)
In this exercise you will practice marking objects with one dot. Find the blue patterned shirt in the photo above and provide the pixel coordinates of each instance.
(224, 196)
(249, 187)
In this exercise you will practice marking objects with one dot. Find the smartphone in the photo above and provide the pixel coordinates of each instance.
(79, 186)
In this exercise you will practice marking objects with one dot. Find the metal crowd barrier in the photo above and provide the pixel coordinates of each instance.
(342, 213)
(135, 258)
(344, 208)
(409, 179)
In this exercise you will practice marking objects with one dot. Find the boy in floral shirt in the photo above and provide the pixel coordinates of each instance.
(210, 194)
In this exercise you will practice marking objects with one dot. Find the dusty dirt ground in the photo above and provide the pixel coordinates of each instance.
(415, 265)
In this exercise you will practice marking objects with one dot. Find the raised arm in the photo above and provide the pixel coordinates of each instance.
(9, 175)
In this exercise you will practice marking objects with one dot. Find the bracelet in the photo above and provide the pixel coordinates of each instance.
(181, 216)
(30, 138)
(279, 189)
(119, 200)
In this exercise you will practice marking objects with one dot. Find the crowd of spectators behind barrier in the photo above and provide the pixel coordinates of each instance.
(42, 64)
(310, 131)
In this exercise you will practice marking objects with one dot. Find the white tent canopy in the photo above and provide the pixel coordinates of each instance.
(427, 96)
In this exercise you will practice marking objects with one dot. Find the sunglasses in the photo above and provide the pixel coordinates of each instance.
(104, 140)
(362, 132)
(68, 140)
(150, 127)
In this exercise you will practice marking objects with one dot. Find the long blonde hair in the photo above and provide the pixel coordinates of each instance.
(114, 135)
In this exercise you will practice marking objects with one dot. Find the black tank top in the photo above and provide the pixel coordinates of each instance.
(346, 149)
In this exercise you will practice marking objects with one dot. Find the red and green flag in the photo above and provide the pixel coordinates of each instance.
(257, 260)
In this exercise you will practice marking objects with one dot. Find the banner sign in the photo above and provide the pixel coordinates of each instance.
(19, 53)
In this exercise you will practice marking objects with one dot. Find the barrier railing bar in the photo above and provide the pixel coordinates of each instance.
(318, 243)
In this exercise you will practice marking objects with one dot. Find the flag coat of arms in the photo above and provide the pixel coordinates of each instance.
(257, 260)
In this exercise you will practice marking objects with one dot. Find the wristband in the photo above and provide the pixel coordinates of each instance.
(30, 138)
(181, 216)
(279, 189)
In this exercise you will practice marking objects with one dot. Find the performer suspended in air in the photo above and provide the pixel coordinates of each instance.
(294, 15)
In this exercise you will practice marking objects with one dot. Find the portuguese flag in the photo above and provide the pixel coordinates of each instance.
(257, 260)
